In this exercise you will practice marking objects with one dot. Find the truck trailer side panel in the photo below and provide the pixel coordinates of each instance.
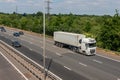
(68, 38)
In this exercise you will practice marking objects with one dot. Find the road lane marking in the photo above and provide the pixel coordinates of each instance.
(108, 58)
(58, 54)
(14, 66)
(82, 64)
(30, 49)
(97, 61)
(67, 68)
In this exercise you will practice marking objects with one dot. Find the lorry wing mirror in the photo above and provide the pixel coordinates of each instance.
(80, 41)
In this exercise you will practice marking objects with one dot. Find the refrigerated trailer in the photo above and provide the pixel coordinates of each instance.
(76, 42)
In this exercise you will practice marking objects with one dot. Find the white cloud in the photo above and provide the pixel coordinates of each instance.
(66, 6)
(86, 6)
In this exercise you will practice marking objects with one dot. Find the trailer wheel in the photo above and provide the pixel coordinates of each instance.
(61, 45)
(74, 49)
(70, 47)
(57, 44)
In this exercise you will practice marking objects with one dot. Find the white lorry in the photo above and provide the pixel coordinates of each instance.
(76, 42)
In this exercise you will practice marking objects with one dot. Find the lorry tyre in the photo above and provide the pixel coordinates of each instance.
(57, 44)
(74, 49)
(61, 45)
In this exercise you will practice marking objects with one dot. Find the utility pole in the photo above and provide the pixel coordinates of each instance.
(16, 9)
(48, 8)
(44, 47)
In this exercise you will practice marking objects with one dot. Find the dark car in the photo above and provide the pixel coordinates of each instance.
(16, 34)
(2, 29)
(21, 33)
(16, 44)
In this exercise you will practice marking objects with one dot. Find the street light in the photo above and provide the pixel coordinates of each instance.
(44, 39)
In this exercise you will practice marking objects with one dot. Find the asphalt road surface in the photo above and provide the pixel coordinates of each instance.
(7, 71)
(65, 63)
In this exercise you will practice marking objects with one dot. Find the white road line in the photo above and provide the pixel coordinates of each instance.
(30, 49)
(108, 58)
(58, 54)
(14, 66)
(97, 61)
(67, 68)
(82, 64)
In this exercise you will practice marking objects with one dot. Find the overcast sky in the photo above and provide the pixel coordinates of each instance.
(96, 7)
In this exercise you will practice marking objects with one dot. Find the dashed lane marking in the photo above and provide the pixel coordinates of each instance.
(58, 54)
(82, 64)
(97, 61)
(30, 49)
(67, 68)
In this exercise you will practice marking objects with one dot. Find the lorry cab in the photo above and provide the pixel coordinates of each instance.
(88, 46)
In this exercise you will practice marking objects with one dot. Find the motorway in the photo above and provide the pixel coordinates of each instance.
(63, 62)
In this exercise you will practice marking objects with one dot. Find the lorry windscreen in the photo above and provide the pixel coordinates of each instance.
(92, 45)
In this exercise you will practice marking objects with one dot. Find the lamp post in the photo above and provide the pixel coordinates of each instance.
(44, 40)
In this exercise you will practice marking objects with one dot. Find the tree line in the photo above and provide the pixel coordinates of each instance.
(105, 29)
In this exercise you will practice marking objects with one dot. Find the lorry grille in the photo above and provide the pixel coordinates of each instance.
(92, 51)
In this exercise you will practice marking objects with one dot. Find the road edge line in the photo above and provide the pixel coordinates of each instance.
(108, 58)
(14, 66)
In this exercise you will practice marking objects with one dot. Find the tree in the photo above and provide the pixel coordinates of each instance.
(87, 27)
(110, 33)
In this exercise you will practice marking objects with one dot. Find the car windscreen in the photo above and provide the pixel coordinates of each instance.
(16, 42)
